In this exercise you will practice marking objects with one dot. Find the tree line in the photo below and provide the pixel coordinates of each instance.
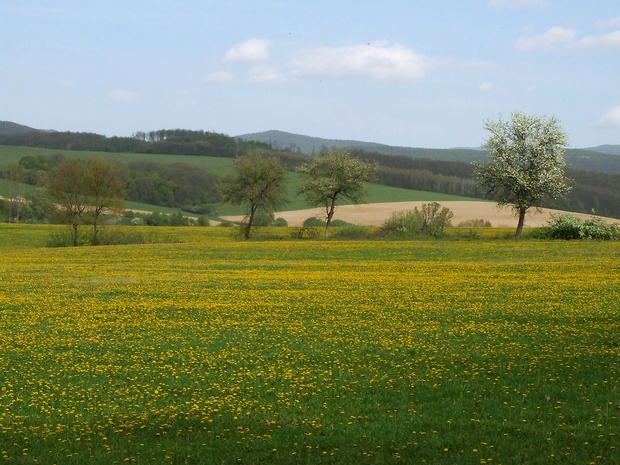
(176, 185)
(164, 141)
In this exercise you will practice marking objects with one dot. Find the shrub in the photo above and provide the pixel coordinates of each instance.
(305, 232)
(314, 222)
(597, 228)
(566, 226)
(475, 223)
(280, 222)
(431, 220)
(262, 218)
(403, 223)
(353, 231)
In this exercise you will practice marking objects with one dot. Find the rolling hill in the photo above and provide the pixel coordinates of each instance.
(601, 159)
(404, 171)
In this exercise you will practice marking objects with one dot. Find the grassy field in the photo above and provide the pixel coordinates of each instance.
(211, 350)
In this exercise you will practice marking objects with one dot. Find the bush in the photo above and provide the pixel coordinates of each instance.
(262, 218)
(431, 220)
(569, 227)
(353, 231)
(63, 237)
(203, 221)
(305, 232)
(313, 222)
(281, 222)
(477, 223)
(403, 223)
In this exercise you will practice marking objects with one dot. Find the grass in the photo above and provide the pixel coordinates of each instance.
(219, 351)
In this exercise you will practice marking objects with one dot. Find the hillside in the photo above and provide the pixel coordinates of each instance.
(8, 127)
(607, 149)
(311, 145)
(601, 159)
(596, 176)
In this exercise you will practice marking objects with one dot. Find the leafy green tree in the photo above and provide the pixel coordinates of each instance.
(105, 190)
(84, 190)
(17, 190)
(258, 182)
(333, 176)
(69, 192)
(526, 164)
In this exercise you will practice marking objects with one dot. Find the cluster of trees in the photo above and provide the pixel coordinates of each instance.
(84, 190)
(259, 183)
(176, 185)
(165, 141)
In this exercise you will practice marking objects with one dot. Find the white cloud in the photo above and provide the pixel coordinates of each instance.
(612, 118)
(612, 23)
(122, 95)
(375, 61)
(554, 39)
(221, 76)
(611, 40)
(486, 86)
(265, 74)
(250, 51)
(515, 3)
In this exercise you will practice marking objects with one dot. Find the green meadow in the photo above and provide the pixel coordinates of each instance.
(209, 350)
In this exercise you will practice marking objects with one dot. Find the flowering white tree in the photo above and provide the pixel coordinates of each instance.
(526, 163)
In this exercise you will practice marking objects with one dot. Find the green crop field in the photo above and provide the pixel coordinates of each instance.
(211, 350)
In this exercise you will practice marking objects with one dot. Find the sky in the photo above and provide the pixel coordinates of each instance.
(410, 73)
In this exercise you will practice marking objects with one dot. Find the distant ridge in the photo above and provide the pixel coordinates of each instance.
(8, 127)
(306, 144)
(606, 149)
(600, 158)
(312, 145)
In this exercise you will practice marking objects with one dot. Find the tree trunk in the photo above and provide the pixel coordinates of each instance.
(330, 215)
(95, 231)
(248, 226)
(522, 211)
(76, 227)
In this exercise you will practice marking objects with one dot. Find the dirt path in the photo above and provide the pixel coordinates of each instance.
(375, 214)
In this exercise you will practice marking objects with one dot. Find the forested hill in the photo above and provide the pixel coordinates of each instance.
(596, 176)
(601, 159)
(311, 145)
(8, 127)
(165, 141)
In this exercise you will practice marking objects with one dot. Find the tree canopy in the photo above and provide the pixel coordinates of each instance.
(333, 176)
(258, 183)
(526, 165)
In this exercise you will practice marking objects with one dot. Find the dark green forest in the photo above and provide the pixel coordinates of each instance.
(596, 177)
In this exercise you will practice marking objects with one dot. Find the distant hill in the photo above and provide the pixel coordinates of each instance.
(596, 159)
(606, 149)
(8, 127)
(312, 145)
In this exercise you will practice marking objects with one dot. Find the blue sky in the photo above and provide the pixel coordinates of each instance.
(400, 72)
